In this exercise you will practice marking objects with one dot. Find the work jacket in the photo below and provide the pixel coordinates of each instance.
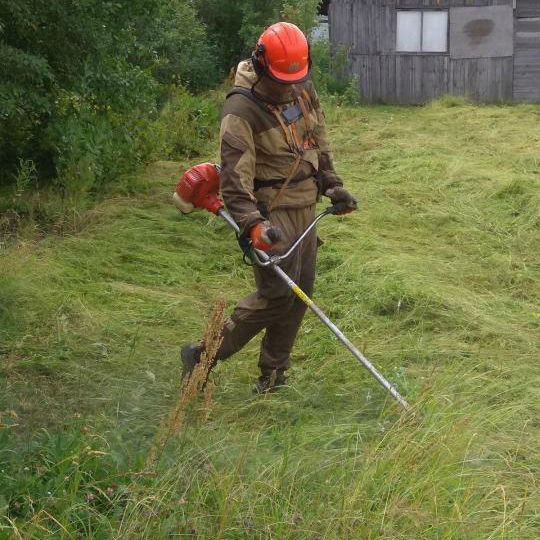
(261, 150)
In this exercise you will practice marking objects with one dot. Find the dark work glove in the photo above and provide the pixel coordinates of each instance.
(340, 196)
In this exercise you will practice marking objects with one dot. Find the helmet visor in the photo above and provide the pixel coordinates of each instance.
(289, 78)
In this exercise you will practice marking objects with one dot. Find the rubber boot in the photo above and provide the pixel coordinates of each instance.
(191, 356)
(270, 383)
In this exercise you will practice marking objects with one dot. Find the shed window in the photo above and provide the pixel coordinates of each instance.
(422, 31)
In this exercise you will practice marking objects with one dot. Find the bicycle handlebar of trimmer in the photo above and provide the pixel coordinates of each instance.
(276, 259)
(335, 209)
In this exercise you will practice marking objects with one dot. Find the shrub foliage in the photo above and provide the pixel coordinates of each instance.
(83, 82)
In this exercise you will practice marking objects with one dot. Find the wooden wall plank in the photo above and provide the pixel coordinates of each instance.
(527, 60)
(388, 78)
(341, 17)
(417, 79)
(482, 79)
(361, 69)
(434, 77)
(388, 29)
(408, 79)
(527, 8)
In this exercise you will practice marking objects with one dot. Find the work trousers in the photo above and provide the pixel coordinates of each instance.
(273, 306)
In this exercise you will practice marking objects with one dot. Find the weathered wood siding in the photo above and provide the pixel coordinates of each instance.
(367, 30)
(527, 51)
(527, 8)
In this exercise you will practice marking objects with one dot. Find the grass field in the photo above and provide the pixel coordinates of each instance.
(435, 279)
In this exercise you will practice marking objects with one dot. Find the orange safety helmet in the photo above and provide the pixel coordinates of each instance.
(282, 53)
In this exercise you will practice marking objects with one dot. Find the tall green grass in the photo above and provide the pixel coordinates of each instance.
(435, 278)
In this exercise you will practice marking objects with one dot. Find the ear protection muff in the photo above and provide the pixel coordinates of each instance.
(258, 65)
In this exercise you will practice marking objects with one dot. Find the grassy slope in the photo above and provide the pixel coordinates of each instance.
(435, 278)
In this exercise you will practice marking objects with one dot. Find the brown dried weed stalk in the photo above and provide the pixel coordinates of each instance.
(191, 386)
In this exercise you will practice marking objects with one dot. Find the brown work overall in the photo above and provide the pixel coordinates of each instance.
(268, 172)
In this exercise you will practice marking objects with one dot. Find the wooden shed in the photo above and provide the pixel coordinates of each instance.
(411, 51)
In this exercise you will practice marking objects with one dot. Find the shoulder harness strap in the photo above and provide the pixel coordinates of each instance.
(250, 95)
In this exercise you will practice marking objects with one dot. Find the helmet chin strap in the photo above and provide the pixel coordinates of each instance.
(291, 89)
(255, 84)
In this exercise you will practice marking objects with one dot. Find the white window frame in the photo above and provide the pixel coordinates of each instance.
(422, 11)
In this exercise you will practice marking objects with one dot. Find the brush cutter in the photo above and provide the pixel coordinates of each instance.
(198, 188)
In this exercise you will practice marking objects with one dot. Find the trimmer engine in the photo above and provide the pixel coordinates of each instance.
(198, 188)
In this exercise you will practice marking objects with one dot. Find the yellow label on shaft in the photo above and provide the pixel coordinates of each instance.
(302, 295)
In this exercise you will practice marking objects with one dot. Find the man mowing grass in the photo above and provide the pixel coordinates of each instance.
(275, 163)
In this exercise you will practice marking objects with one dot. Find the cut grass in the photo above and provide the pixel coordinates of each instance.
(435, 279)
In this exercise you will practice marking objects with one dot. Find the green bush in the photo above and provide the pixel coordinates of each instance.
(300, 12)
(234, 26)
(185, 125)
(85, 81)
(26, 102)
(329, 72)
(183, 53)
(93, 89)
